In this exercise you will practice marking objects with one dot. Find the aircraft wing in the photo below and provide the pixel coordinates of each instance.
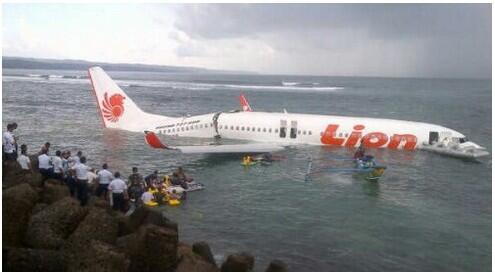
(155, 142)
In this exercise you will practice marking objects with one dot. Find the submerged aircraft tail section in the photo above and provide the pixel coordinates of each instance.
(116, 108)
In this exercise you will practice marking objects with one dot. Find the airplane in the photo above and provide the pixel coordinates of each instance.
(272, 131)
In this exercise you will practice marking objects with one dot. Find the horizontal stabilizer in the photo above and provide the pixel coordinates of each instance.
(153, 141)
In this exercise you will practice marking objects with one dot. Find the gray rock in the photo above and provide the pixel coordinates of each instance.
(241, 262)
(33, 260)
(97, 225)
(192, 262)
(98, 256)
(151, 248)
(49, 228)
(203, 250)
(54, 191)
(276, 266)
(17, 205)
(144, 215)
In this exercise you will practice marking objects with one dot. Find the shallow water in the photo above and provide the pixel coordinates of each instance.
(428, 212)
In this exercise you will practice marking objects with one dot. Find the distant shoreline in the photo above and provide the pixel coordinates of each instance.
(9, 62)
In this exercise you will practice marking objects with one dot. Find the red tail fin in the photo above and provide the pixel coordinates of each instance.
(244, 103)
(153, 140)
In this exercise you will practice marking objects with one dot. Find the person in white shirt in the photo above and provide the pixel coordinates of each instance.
(45, 167)
(9, 143)
(81, 172)
(58, 169)
(147, 196)
(118, 189)
(24, 160)
(104, 178)
(76, 159)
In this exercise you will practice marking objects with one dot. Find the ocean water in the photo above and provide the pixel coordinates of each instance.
(428, 212)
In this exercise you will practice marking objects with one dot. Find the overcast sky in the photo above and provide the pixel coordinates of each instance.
(410, 40)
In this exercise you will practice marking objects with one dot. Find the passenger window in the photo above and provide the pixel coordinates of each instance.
(276, 130)
(187, 128)
(347, 135)
(201, 126)
(340, 134)
(211, 124)
(270, 130)
(304, 132)
(242, 128)
(206, 125)
(298, 132)
(231, 127)
(309, 132)
(237, 128)
(247, 128)
(259, 129)
(264, 129)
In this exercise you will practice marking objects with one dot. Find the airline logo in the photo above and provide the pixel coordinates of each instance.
(244, 103)
(113, 107)
(372, 139)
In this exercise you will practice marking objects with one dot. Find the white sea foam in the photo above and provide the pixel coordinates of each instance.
(287, 87)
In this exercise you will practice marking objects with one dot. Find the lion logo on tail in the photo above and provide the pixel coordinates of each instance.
(113, 107)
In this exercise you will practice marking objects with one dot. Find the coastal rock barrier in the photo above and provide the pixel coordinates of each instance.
(44, 229)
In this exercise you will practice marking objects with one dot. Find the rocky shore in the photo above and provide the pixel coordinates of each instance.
(44, 229)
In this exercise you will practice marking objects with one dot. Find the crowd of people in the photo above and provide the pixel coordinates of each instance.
(82, 180)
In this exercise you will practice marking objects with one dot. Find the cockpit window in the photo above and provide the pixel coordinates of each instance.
(463, 140)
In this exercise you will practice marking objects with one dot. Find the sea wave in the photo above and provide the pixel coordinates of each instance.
(190, 85)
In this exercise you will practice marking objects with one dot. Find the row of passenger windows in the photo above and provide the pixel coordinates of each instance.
(259, 129)
(187, 128)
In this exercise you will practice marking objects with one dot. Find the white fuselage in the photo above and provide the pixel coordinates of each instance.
(292, 128)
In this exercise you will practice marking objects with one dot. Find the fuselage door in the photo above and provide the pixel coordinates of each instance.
(433, 137)
(293, 129)
(283, 128)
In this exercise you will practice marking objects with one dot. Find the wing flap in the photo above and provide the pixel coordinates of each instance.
(153, 141)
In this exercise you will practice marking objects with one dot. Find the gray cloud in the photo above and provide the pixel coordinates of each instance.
(432, 40)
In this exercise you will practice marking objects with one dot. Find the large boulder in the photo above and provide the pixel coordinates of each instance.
(151, 248)
(98, 256)
(276, 266)
(33, 260)
(144, 215)
(97, 225)
(49, 228)
(241, 262)
(54, 191)
(203, 250)
(189, 261)
(17, 204)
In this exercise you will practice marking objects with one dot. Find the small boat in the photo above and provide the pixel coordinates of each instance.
(365, 165)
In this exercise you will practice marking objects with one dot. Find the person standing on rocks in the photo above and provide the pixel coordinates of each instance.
(45, 147)
(74, 160)
(81, 170)
(44, 166)
(136, 185)
(104, 179)
(58, 170)
(24, 160)
(118, 189)
(9, 144)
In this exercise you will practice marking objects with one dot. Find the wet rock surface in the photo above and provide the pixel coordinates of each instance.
(241, 262)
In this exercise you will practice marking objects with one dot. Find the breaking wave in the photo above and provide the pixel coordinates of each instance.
(190, 85)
